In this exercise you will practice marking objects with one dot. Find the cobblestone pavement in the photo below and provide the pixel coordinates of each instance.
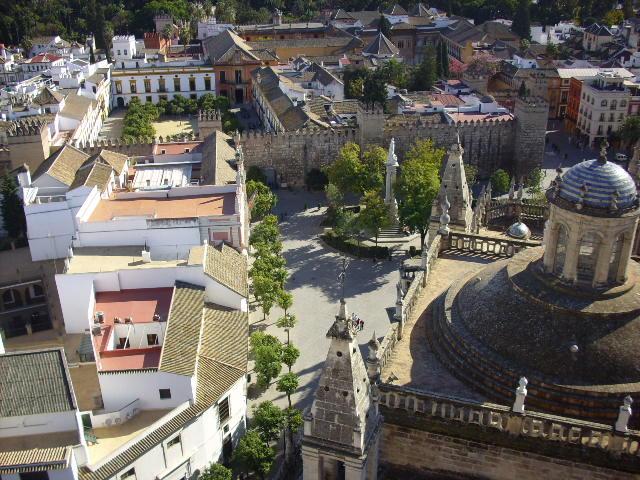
(314, 268)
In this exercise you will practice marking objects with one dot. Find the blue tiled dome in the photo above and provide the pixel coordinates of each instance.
(601, 180)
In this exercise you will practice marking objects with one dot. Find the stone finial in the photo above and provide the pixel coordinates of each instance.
(613, 205)
(392, 158)
(583, 192)
(521, 394)
(521, 190)
(512, 188)
(374, 346)
(423, 255)
(624, 414)
(603, 151)
(444, 217)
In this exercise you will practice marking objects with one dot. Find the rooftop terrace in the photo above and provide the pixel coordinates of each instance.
(129, 337)
(164, 208)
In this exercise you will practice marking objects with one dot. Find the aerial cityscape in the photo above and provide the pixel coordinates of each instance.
(319, 240)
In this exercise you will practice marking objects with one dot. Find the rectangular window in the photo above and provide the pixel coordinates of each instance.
(152, 339)
(123, 342)
(223, 77)
(193, 96)
(129, 474)
(34, 476)
(118, 87)
(207, 83)
(238, 76)
(165, 393)
(161, 87)
(133, 86)
(176, 84)
(147, 85)
(223, 410)
(149, 99)
(173, 442)
(192, 84)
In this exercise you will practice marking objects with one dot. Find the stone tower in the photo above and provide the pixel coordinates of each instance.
(208, 122)
(343, 427)
(454, 186)
(370, 125)
(530, 129)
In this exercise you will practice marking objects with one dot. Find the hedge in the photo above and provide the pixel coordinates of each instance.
(350, 246)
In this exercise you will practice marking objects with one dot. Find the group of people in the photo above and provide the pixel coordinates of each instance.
(357, 323)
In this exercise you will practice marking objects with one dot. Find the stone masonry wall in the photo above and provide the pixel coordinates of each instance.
(415, 453)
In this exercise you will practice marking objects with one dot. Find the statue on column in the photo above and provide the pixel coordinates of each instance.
(391, 170)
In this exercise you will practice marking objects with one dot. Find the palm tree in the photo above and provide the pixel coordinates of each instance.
(167, 32)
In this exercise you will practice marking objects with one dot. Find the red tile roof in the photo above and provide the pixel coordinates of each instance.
(45, 58)
(176, 148)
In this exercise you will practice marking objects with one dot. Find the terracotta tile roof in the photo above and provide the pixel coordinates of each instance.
(192, 206)
(228, 267)
(176, 148)
(63, 164)
(91, 174)
(180, 346)
(35, 382)
(223, 48)
(219, 155)
(34, 460)
(44, 58)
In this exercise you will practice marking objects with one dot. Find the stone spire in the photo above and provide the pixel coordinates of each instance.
(343, 421)
(454, 186)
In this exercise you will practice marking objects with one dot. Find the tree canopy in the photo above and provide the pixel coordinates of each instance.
(13, 217)
(418, 185)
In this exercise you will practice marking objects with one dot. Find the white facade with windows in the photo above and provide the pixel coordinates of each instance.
(604, 103)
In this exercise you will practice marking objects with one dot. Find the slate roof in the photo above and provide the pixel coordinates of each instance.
(381, 45)
(599, 30)
(180, 346)
(63, 164)
(228, 267)
(93, 173)
(395, 10)
(35, 382)
(464, 31)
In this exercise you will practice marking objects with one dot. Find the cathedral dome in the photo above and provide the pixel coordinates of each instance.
(519, 230)
(595, 184)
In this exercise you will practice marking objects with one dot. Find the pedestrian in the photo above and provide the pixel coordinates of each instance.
(361, 325)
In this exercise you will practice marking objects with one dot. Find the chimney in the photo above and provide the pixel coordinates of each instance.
(146, 256)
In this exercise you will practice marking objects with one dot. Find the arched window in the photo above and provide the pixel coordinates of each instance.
(561, 250)
(587, 256)
(614, 260)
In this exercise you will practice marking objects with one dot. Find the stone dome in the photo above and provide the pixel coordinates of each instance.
(594, 183)
(508, 320)
(519, 230)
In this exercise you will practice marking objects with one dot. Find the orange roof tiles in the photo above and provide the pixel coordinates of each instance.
(165, 208)
(176, 148)
(480, 117)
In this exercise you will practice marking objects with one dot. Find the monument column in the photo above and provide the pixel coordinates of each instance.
(570, 271)
(391, 170)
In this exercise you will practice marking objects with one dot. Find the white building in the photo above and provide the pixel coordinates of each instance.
(41, 433)
(51, 44)
(39, 64)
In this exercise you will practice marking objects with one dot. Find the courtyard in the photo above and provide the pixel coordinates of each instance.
(165, 126)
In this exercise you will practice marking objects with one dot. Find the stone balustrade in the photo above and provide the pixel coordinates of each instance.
(532, 425)
(470, 242)
(388, 343)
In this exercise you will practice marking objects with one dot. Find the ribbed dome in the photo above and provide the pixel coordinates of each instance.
(594, 184)
(519, 230)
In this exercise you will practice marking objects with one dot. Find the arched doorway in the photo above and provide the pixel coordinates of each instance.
(614, 260)
(587, 257)
(120, 102)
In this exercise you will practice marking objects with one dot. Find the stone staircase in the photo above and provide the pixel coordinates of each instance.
(394, 235)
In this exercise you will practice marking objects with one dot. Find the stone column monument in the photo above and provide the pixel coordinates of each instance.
(391, 169)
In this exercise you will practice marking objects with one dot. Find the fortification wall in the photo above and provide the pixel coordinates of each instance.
(487, 145)
(293, 154)
(416, 453)
(131, 149)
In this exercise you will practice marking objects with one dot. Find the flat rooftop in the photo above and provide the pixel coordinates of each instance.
(111, 259)
(164, 208)
(480, 117)
(140, 306)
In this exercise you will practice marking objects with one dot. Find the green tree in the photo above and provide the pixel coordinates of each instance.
(268, 420)
(216, 471)
(353, 79)
(375, 214)
(263, 201)
(344, 172)
(444, 59)
(266, 291)
(255, 173)
(316, 179)
(521, 25)
(290, 353)
(266, 234)
(425, 74)
(630, 130)
(207, 102)
(500, 182)
(253, 455)
(384, 26)
(522, 91)
(372, 171)
(375, 90)
(533, 181)
(13, 217)
(552, 50)
(267, 352)
(471, 174)
(418, 185)
(395, 73)
(335, 200)
(287, 322)
(288, 384)
(613, 17)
